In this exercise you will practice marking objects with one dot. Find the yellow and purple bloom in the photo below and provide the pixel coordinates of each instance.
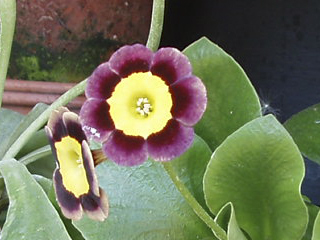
(75, 181)
(142, 104)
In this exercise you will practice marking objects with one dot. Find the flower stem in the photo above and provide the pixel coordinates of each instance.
(35, 155)
(7, 24)
(156, 24)
(42, 119)
(202, 214)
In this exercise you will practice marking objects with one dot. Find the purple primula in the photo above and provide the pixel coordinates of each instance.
(142, 104)
(75, 181)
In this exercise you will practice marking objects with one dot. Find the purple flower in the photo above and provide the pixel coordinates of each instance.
(75, 181)
(142, 104)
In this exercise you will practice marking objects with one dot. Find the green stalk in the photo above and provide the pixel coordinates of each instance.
(43, 118)
(156, 25)
(7, 24)
(35, 155)
(197, 208)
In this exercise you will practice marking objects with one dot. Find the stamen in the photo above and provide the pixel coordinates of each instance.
(79, 161)
(143, 106)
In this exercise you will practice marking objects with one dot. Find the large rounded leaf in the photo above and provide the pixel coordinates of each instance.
(30, 214)
(9, 120)
(313, 211)
(304, 127)
(232, 100)
(144, 204)
(259, 170)
(226, 218)
(316, 229)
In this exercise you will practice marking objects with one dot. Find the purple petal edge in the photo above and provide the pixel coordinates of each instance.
(88, 164)
(189, 98)
(69, 204)
(125, 150)
(170, 142)
(170, 65)
(56, 124)
(131, 58)
(96, 206)
(102, 82)
(96, 120)
(73, 127)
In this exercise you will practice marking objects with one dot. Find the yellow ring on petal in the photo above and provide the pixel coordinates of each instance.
(140, 104)
(70, 159)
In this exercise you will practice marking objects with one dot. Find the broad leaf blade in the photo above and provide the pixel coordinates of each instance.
(9, 120)
(316, 228)
(45, 183)
(232, 100)
(30, 214)
(17, 127)
(259, 169)
(226, 218)
(44, 166)
(312, 213)
(144, 204)
(304, 127)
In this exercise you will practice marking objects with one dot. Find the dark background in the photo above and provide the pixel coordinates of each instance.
(277, 42)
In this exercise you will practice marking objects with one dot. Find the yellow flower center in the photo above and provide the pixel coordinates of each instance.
(69, 155)
(140, 104)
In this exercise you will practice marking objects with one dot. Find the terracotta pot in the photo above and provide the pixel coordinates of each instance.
(63, 41)
(21, 95)
(63, 24)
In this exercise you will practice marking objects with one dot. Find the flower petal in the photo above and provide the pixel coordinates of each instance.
(102, 82)
(129, 59)
(125, 150)
(170, 142)
(96, 207)
(189, 100)
(73, 126)
(89, 168)
(69, 204)
(170, 65)
(51, 142)
(95, 202)
(96, 120)
(56, 124)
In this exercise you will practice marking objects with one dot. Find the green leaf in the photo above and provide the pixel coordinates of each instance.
(259, 169)
(226, 218)
(232, 100)
(7, 24)
(30, 214)
(316, 229)
(190, 168)
(43, 166)
(304, 127)
(39, 139)
(312, 213)
(47, 186)
(144, 204)
(17, 127)
(9, 121)
(44, 182)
